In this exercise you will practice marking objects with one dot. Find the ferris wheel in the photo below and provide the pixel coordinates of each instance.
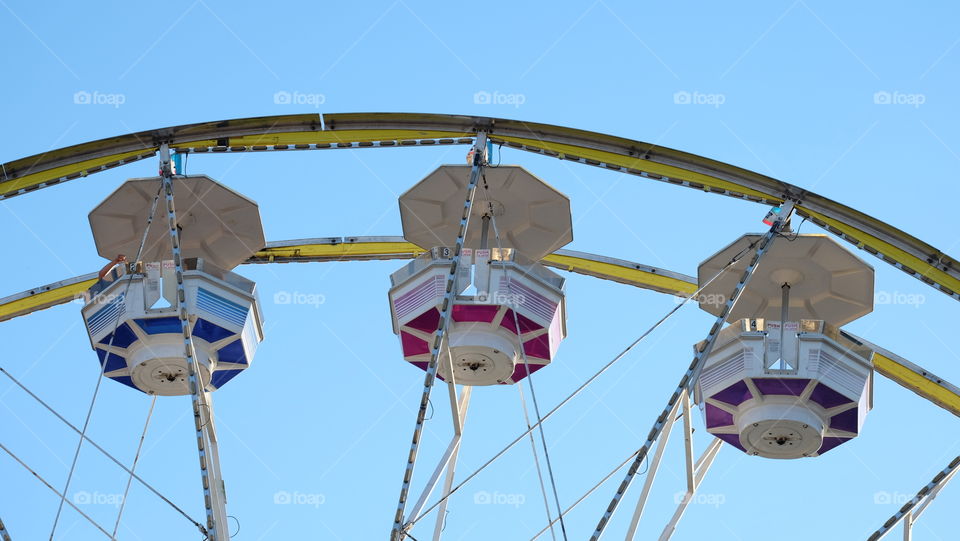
(480, 303)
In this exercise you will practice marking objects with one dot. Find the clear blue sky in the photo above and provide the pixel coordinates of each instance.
(326, 411)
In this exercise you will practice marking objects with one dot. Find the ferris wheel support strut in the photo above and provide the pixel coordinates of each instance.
(696, 366)
(446, 312)
(448, 460)
(4, 535)
(698, 470)
(695, 471)
(652, 469)
(460, 415)
(214, 498)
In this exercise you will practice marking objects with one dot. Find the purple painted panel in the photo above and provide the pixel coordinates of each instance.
(716, 417)
(520, 371)
(827, 397)
(735, 394)
(475, 312)
(526, 325)
(830, 443)
(781, 386)
(426, 322)
(413, 345)
(732, 439)
(846, 420)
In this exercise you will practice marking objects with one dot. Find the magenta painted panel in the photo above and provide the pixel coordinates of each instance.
(526, 325)
(475, 312)
(426, 322)
(422, 365)
(538, 347)
(520, 371)
(413, 345)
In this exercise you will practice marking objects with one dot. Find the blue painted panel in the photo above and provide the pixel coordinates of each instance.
(232, 353)
(210, 332)
(114, 361)
(160, 325)
(222, 376)
(124, 338)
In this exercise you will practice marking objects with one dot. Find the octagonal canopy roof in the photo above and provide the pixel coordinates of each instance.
(531, 216)
(826, 281)
(216, 223)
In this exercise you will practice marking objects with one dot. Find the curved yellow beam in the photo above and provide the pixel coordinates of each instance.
(894, 367)
(361, 130)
